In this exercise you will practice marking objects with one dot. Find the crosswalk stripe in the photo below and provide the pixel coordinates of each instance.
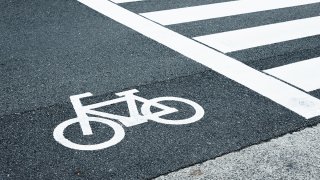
(262, 35)
(210, 11)
(124, 1)
(304, 74)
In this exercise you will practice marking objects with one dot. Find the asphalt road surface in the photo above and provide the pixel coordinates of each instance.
(222, 84)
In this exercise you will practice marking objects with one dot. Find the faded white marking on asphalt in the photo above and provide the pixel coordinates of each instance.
(303, 74)
(272, 88)
(262, 35)
(217, 10)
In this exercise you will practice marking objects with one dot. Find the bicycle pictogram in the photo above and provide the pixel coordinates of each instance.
(134, 118)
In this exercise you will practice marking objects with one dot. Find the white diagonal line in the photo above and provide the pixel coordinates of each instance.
(259, 82)
(217, 10)
(304, 74)
(262, 35)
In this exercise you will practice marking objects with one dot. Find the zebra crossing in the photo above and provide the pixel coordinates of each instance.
(262, 35)
(218, 10)
(154, 26)
(255, 85)
(302, 74)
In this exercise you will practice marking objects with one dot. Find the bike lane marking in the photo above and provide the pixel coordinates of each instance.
(234, 119)
(217, 10)
(272, 88)
(133, 119)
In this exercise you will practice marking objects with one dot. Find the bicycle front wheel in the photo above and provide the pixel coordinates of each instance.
(199, 112)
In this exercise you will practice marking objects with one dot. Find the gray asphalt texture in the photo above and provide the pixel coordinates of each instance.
(151, 149)
(52, 49)
(294, 156)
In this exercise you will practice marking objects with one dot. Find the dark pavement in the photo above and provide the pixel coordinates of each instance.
(50, 50)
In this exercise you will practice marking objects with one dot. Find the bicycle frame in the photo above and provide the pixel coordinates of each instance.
(126, 96)
(135, 117)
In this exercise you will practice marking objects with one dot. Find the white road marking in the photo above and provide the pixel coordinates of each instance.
(303, 74)
(210, 11)
(262, 35)
(124, 1)
(272, 88)
(134, 117)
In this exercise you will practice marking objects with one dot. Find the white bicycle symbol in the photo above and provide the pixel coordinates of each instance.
(134, 119)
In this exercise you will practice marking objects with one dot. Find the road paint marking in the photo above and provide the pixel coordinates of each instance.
(262, 35)
(134, 119)
(124, 1)
(272, 88)
(304, 74)
(217, 10)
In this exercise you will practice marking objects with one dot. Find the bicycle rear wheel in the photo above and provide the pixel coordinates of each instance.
(58, 134)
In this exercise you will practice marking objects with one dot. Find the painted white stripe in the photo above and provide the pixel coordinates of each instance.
(262, 35)
(276, 90)
(303, 74)
(124, 1)
(210, 11)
